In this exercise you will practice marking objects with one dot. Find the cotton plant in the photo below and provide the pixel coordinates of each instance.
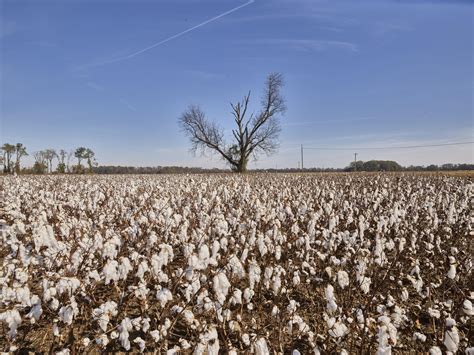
(209, 263)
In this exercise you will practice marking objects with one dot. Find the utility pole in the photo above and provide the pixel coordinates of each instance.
(302, 157)
(355, 161)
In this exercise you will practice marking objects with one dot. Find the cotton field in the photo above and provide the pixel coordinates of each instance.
(208, 264)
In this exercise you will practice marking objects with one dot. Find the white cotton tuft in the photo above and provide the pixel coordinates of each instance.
(342, 279)
(221, 287)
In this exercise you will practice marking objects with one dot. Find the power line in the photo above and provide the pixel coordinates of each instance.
(395, 147)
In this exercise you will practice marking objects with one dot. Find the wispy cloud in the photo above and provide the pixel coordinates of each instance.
(177, 35)
(307, 44)
(95, 86)
(383, 28)
(128, 105)
(312, 123)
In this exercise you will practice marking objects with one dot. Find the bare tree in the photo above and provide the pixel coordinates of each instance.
(8, 151)
(253, 135)
(70, 154)
(50, 154)
(20, 151)
(61, 156)
(80, 153)
(41, 164)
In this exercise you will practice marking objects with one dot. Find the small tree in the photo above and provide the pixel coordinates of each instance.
(61, 156)
(70, 154)
(20, 151)
(80, 154)
(50, 154)
(253, 135)
(40, 166)
(89, 155)
(8, 150)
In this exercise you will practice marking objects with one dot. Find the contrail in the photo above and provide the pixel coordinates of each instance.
(176, 35)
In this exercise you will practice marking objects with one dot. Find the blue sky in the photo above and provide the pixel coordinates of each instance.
(357, 74)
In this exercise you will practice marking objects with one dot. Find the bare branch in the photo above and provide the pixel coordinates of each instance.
(257, 134)
(203, 133)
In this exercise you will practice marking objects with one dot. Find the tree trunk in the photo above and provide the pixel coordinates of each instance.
(242, 166)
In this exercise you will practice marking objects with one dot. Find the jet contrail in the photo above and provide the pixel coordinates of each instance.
(134, 54)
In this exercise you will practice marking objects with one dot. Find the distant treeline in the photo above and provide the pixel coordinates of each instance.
(112, 169)
(371, 165)
(11, 155)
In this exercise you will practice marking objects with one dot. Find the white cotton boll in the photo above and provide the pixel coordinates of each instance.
(63, 352)
(86, 342)
(208, 304)
(155, 334)
(405, 294)
(215, 248)
(110, 271)
(36, 310)
(276, 284)
(236, 297)
(164, 295)
(184, 344)
(419, 337)
(434, 313)
(295, 352)
(278, 252)
(102, 340)
(332, 223)
(246, 339)
(262, 248)
(467, 307)
(365, 283)
(275, 311)
(342, 279)
(55, 330)
(21, 276)
(450, 322)
(13, 320)
(221, 286)
(145, 324)
(451, 336)
(203, 253)
(67, 313)
(330, 322)
(140, 342)
(94, 274)
(434, 350)
(142, 269)
(296, 278)
(124, 268)
(67, 285)
(261, 347)
(23, 296)
(360, 316)
(254, 274)
(338, 330)
(331, 300)
(103, 313)
(292, 306)
(452, 268)
(237, 267)
(210, 341)
(124, 328)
